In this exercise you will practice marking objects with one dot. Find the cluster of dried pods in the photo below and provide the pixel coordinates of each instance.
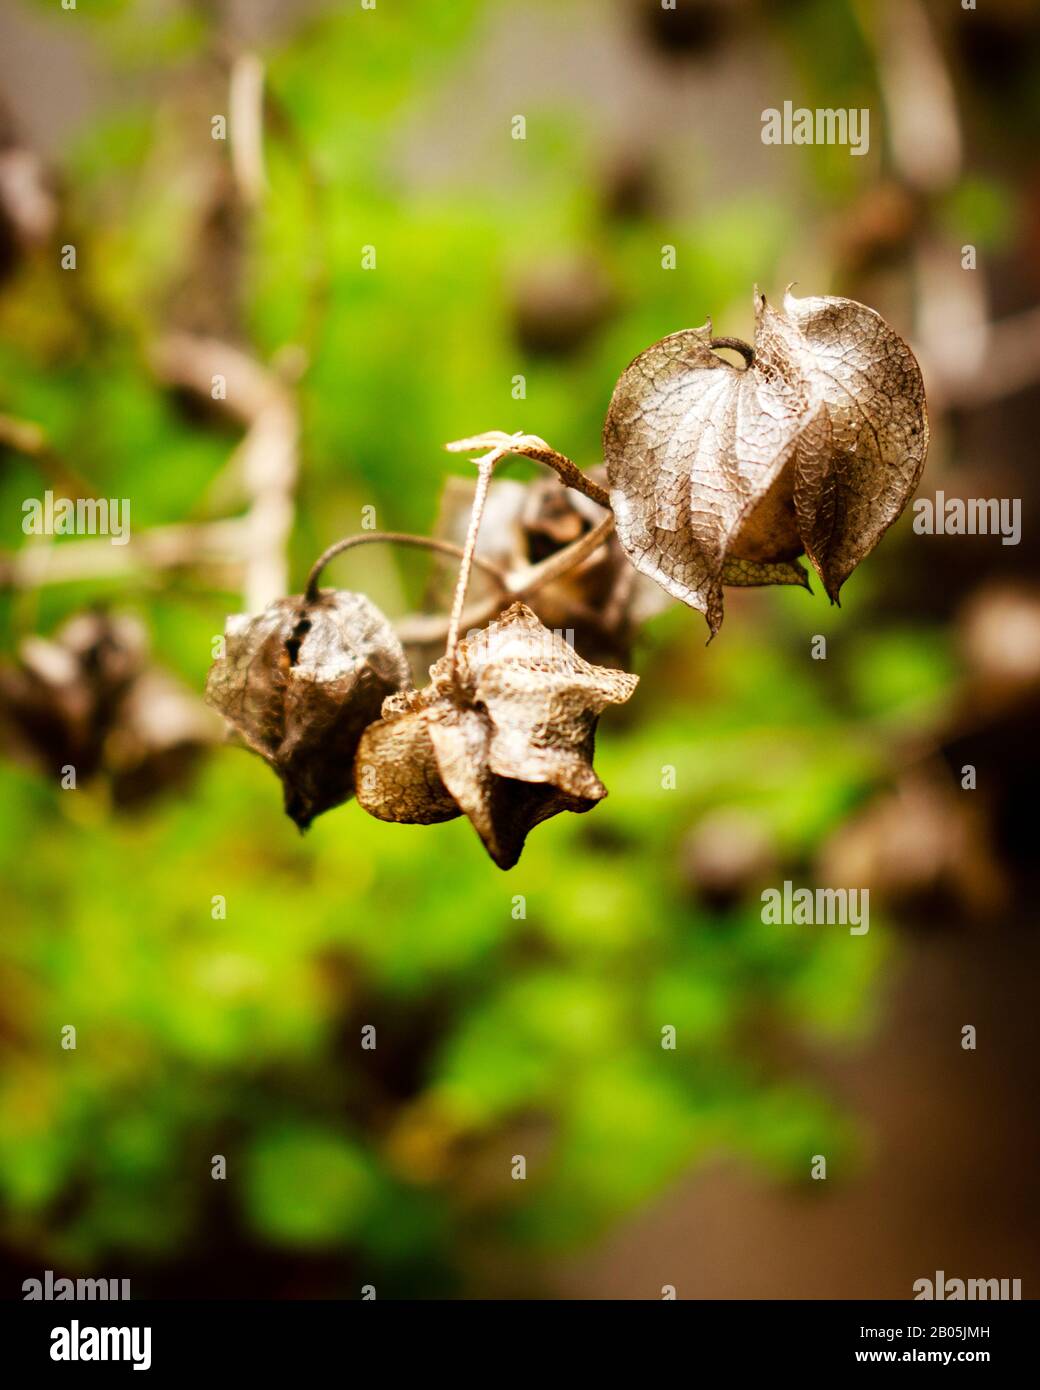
(718, 475)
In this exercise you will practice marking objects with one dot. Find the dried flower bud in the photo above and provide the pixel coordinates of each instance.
(299, 682)
(508, 739)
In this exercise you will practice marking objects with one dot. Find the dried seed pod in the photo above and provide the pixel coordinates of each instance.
(299, 682)
(507, 736)
(88, 698)
(720, 475)
(59, 703)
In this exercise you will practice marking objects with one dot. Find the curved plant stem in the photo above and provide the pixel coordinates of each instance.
(567, 471)
(531, 447)
(521, 585)
(738, 345)
(396, 538)
(499, 446)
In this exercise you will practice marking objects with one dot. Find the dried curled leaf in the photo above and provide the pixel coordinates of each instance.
(299, 683)
(509, 742)
(815, 446)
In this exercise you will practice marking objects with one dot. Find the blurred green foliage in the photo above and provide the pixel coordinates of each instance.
(241, 1036)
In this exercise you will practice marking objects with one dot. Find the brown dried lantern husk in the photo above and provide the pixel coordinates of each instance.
(724, 476)
(299, 683)
(506, 737)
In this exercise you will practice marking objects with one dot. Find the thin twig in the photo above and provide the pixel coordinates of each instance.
(246, 109)
(520, 585)
(395, 538)
(213, 544)
(500, 445)
(532, 447)
(485, 468)
(267, 456)
(924, 128)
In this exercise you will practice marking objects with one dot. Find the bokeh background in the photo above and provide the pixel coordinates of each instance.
(391, 128)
